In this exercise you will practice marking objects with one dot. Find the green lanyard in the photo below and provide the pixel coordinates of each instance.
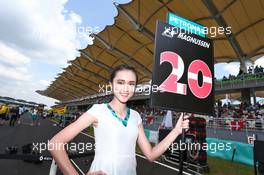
(124, 122)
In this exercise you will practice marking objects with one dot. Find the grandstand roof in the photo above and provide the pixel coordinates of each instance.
(130, 40)
(10, 100)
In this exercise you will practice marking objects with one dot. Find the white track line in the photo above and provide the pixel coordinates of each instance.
(87, 135)
(77, 167)
(162, 164)
(139, 155)
(71, 159)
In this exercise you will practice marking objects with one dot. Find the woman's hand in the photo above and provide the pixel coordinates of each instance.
(182, 123)
(96, 173)
(95, 123)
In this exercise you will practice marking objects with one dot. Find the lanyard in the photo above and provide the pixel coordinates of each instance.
(124, 122)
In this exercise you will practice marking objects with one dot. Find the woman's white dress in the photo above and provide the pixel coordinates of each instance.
(115, 143)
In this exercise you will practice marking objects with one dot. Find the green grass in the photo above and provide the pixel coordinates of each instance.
(56, 120)
(219, 166)
(90, 131)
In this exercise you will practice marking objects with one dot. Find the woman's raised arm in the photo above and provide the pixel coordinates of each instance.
(155, 152)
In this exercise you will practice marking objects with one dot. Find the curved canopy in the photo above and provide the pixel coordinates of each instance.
(130, 40)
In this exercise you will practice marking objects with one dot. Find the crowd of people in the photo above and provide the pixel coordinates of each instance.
(253, 114)
(149, 115)
(10, 114)
(152, 116)
(258, 70)
(244, 110)
(250, 116)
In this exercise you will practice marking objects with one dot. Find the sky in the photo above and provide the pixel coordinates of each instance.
(38, 38)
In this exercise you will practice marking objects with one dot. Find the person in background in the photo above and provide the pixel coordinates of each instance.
(38, 117)
(34, 116)
(14, 113)
(4, 110)
(167, 120)
(20, 113)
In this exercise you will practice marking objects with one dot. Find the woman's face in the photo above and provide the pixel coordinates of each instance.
(124, 84)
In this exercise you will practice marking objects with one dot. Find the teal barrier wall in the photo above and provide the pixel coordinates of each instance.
(224, 149)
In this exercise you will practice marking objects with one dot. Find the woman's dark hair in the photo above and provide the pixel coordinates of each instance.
(120, 68)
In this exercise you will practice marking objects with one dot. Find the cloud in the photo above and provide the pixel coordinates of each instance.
(13, 64)
(40, 29)
(44, 83)
(232, 68)
(12, 57)
(38, 35)
(260, 61)
(33, 33)
(224, 69)
(25, 90)
(18, 73)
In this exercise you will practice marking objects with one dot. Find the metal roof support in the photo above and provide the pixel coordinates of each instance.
(243, 29)
(83, 85)
(62, 92)
(137, 26)
(94, 61)
(73, 92)
(129, 17)
(164, 4)
(76, 90)
(243, 66)
(73, 89)
(221, 12)
(125, 56)
(90, 72)
(77, 66)
(250, 25)
(257, 50)
(75, 74)
(72, 74)
(79, 62)
(230, 37)
(59, 96)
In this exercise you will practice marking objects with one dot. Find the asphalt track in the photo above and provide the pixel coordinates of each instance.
(24, 133)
